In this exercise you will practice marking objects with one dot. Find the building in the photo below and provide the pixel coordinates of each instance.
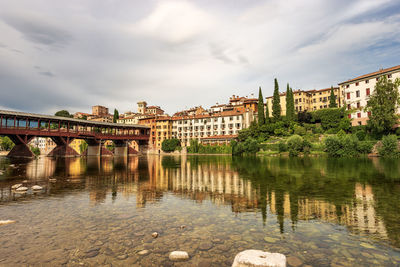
(357, 91)
(151, 122)
(216, 128)
(99, 111)
(163, 130)
(310, 100)
(144, 111)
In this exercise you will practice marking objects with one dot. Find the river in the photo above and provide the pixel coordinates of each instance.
(103, 211)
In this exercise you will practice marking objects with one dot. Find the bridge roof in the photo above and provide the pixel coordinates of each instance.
(80, 121)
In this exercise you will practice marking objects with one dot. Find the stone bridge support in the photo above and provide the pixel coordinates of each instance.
(122, 148)
(97, 148)
(21, 148)
(62, 148)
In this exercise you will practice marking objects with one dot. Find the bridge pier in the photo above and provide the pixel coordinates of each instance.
(97, 148)
(62, 148)
(122, 148)
(21, 148)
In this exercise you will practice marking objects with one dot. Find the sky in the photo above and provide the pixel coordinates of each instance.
(179, 54)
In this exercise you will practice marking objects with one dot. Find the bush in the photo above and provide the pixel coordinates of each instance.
(35, 150)
(250, 146)
(331, 118)
(346, 146)
(295, 145)
(170, 145)
(388, 148)
(299, 130)
(282, 147)
(361, 135)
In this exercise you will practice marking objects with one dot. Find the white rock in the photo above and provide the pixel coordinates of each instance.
(143, 252)
(178, 255)
(25, 181)
(37, 187)
(258, 258)
(52, 180)
(21, 189)
(16, 186)
(3, 222)
(154, 235)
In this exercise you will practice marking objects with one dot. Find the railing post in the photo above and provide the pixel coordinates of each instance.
(1, 121)
(67, 127)
(48, 126)
(59, 126)
(38, 124)
(15, 118)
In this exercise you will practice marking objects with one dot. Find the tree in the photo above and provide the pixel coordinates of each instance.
(382, 105)
(276, 103)
(261, 116)
(290, 115)
(6, 143)
(116, 115)
(170, 145)
(266, 111)
(332, 101)
(63, 113)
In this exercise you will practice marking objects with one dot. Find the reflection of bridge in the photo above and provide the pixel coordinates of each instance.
(22, 127)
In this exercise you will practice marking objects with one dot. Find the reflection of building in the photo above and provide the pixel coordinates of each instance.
(359, 216)
(44, 144)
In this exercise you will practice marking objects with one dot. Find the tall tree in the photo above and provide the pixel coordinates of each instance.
(266, 111)
(289, 104)
(261, 116)
(116, 115)
(63, 113)
(382, 105)
(332, 100)
(276, 103)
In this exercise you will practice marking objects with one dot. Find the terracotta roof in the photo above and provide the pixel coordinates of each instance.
(219, 114)
(321, 90)
(379, 72)
(220, 137)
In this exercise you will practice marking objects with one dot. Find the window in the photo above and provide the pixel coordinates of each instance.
(369, 113)
(347, 86)
(389, 75)
(299, 99)
(357, 83)
(367, 91)
(320, 99)
(358, 104)
(349, 116)
(377, 79)
(358, 115)
(348, 106)
(357, 93)
(348, 95)
(366, 81)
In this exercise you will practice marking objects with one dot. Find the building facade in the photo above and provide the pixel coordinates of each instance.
(358, 90)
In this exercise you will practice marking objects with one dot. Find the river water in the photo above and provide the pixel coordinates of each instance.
(102, 211)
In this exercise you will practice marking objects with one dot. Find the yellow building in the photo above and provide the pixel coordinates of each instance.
(76, 145)
(310, 100)
(163, 130)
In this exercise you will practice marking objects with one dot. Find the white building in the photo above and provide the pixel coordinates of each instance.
(215, 128)
(357, 91)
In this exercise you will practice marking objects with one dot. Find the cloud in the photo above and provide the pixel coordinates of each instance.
(38, 30)
(179, 54)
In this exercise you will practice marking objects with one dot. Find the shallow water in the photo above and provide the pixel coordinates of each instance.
(102, 211)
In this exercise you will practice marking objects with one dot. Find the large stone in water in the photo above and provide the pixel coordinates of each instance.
(178, 255)
(3, 222)
(37, 187)
(21, 189)
(258, 258)
(16, 186)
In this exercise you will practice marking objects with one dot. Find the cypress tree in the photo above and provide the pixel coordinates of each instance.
(288, 104)
(332, 101)
(266, 111)
(116, 115)
(261, 116)
(276, 102)
(292, 112)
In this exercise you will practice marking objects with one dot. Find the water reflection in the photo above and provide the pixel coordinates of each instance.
(361, 194)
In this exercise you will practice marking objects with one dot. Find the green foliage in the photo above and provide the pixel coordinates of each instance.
(261, 116)
(170, 145)
(361, 135)
(295, 145)
(290, 113)
(382, 104)
(282, 147)
(249, 146)
(330, 118)
(332, 100)
(6, 143)
(82, 147)
(116, 115)
(276, 103)
(63, 113)
(299, 130)
(388, 147)
(35, 150)
(195, 147)
(346, 146)
(266, 111)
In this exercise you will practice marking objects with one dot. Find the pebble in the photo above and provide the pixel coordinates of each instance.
(294, 261)
(178, 255)
(270, 239)
(4, 222)
(52, 180)
(182, 227)
(16, 186)
(122, 257)
(92, 253)
(37, 187)
(21, 189)
(25, 181)
(143, 252)
(154, 235)
(205, 246)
